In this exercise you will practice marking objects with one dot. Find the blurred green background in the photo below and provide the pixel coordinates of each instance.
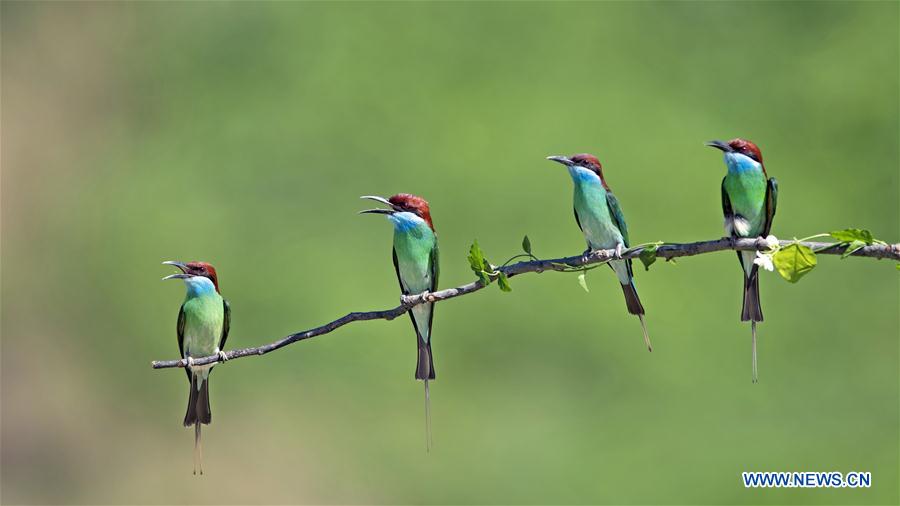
(243, 134)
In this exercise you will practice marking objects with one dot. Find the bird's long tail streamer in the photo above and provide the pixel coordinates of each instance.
(427, 419)
(646, 335)
(753, 331)
(198, 449)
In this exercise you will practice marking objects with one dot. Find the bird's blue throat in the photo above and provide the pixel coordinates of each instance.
(198, 286)
(405, 221)
(738, 163)
(580, 175)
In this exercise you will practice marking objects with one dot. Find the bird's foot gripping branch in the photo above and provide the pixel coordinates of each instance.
(793, 260)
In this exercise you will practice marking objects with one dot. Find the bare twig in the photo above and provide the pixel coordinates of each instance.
(667, 251)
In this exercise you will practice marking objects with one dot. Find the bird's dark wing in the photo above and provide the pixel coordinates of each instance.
(226, 324)
(403, 289)
(615, 211)
(435, 268)
(179, 329)
(726, 207)
(771, 201)
(618, 217)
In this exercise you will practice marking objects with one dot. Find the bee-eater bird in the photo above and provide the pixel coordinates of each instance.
(748, 202)
(203, 323)
(600, 218)
(416, 264)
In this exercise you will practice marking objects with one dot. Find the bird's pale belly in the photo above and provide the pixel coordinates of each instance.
(600, 233)
(200, 346)
(415, 277)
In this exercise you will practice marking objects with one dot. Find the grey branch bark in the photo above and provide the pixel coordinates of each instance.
(666, 251)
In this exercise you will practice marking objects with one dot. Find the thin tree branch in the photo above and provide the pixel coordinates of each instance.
(666, 251)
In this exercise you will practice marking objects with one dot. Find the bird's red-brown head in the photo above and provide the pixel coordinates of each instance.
(583, 160)
(403, 203)
(588, 161)
(191, 269)
(740, 146)
(746, 148)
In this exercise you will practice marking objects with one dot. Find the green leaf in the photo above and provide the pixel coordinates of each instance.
(476, 258)
(853, 246)
(503, 282)
(583, 282)
(853, 234)
(648, 256)
(794, 261)
(526, 245)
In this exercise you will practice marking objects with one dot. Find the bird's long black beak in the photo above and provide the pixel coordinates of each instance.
(379, 211)
(720, 145)
(561, 159)
(181, 275)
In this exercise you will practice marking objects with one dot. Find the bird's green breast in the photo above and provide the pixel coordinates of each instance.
(204, 318)
(414, 248)
(747, 193)
(596, 222)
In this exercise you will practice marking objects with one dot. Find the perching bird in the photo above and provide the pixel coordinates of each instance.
(748, 202)
(203, 323)
(416, 264)
(600, 218)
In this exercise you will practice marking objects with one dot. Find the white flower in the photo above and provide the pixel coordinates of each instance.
(764, 260)
(771, 242)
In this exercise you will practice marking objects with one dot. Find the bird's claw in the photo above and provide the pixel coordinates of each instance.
(188, 362)
(620, 249)
(409, 299)
(586, 256)
(222, 356)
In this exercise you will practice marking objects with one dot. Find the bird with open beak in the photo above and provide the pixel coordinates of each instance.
(415, 256)
(749, 197)
(203, 323)
(600, 218)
